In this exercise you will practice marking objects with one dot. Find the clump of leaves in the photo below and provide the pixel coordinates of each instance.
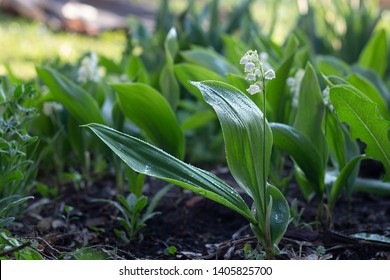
(135, 212)
(12, 248)
(17, 167)
(248, 152)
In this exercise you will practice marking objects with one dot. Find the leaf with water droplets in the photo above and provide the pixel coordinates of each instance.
(243, 130)
(148, 159)
(280, 214)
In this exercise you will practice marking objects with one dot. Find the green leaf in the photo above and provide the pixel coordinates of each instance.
(330, 65)
(169, 86)
(171, 45)
(149, 160)
(168, 83)
(279, 215)
(277, 91)
(242, 126)
(310, 111)
(342, 180)
(189, 72)
(215, 28)
(210, 60)
(198, 120)
(12, 201)
(368, 89)
(136, 70)
(149, 110)
(374, 54)
(372, 186)
(336, 140)
(75, 99)
(302, 151)
(291, 46)
(6, 221)
(234, 48)
(365, 122)
(372, 237)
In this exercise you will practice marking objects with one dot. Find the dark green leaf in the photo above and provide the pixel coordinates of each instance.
(342, 181)
(149, 160)
(302, 151)
(336, 140)
(280, 214)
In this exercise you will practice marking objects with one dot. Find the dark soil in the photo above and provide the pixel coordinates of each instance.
(199, 228)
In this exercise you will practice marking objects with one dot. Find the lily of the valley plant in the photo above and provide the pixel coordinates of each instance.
(248, 144)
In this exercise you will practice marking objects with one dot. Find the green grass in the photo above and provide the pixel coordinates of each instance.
(25, 44)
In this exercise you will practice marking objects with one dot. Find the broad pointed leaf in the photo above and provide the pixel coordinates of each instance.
(243, 130)
(280, 214)
(149, 160)
(342, 181)
(302, 151)
(374, 54)
(277, 91)
(189, 72)
(365, 122)
(368, 89)
(310, 111)
(150, 111)
(75, 99)
(211, 60)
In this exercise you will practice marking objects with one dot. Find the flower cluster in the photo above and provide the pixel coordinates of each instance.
(328, 104)
(89, 70)
(258, 70)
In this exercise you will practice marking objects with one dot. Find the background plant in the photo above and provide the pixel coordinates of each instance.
(17, 167)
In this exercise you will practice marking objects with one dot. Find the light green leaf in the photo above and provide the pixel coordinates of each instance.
(374, 54)
(168, 83)
(198, 120)
(169, 86)
(149, 160)
(310, 111)
(277, 91)
(365, 122)
(171, 45)
(189, 72)
(368, 89)
(372, 237)
(75, 99)
(210, 60)
(330, 65)
(136, 70)
(149, 110)
(242, 126)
